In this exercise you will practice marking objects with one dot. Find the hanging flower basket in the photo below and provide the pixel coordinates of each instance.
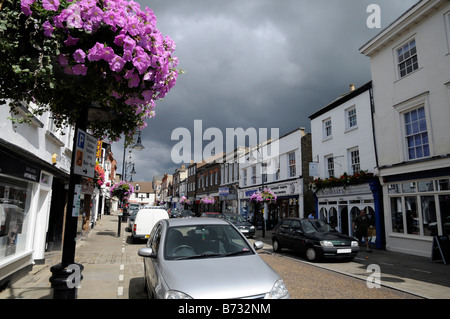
(99, 175)
(265, 196)
(64, 55)
(122, 191)
(207, 200)
(345, 180)
(184, 200)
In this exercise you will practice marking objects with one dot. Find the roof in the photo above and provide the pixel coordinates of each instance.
(342, 99)
(144, 187)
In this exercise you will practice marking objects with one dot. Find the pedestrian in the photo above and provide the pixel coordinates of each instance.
(360, 226)
(311, 215)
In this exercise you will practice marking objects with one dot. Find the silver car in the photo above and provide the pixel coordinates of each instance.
(206, 258)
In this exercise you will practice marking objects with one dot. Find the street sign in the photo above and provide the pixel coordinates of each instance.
(85, 154)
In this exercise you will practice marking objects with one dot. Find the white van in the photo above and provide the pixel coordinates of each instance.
(145, 220)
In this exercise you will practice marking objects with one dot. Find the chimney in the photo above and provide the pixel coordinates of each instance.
(352, 87)
(302, 131)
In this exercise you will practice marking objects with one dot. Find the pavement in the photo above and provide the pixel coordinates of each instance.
(113, 270)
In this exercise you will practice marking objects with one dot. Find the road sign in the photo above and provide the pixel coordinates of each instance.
(85, 154)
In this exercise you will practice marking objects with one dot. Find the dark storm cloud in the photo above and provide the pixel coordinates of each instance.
(255, 63)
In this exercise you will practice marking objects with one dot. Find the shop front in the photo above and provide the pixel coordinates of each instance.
(24, 205)
(289, 202)
(417, 208)
(339, 206)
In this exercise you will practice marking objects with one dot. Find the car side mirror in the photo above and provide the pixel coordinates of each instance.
(258, 245)
(146, 252)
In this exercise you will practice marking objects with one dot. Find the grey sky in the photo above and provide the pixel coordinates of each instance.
(255, 63)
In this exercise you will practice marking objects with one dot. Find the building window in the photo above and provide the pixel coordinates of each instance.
(245, 177)
(416, 134)
(292, 166)
(447, 26)
(351, 118)
(407, 58)
(355, 164)
(330, 165)
(327, 129)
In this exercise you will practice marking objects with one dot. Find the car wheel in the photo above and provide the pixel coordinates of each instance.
(311, 254)
(276, 245)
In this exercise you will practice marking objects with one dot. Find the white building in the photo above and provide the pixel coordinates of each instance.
(410, 65)
(343, 146)
(34, 167)
(279, 166)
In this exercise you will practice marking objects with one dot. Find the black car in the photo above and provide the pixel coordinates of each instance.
(314, 237)
(244, 226)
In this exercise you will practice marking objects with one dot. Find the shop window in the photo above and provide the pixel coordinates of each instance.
(443, 184)
(15, 197)
(397, 215)
(426, 186)
(429, 220)
(444, 204)
(412, 218)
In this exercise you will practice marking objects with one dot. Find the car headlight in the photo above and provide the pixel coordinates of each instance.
(252, 227)
(326, 243)
(278, 291)
(355, 243)
(173, 294)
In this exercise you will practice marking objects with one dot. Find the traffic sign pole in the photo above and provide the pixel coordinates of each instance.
(62, 275)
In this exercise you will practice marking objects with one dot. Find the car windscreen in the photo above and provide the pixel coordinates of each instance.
(234, 218)
(204, 241)
(317, 225)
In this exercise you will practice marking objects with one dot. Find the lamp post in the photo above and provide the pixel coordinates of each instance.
(138, 146)
(265, 207)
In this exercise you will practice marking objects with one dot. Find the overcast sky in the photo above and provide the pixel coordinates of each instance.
(255, 64)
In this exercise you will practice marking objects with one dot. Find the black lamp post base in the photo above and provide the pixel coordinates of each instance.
(65, 280)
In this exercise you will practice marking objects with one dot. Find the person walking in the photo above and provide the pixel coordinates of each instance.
(360, 226)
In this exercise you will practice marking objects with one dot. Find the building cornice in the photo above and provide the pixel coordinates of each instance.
(407, 21)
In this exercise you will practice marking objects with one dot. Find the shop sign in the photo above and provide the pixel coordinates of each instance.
(13, 167)
(85, 154)
(224, 191)
(285, 189)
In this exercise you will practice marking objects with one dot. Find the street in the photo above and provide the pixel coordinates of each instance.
(113, 270)
(304, 281)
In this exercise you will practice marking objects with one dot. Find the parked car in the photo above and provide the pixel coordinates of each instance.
(314, 237)
(131, 220)
(145, 220)
(211, 214)
(244, 226)
(206, 258)
(187, 214)
(174, 213)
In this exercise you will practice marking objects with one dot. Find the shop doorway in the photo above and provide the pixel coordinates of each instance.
(343, 220)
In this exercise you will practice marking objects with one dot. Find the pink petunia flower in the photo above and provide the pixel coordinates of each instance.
(79, 69)
(116, 64)
(79, 56)
(51, 5)
(48, 28)
(71, 41)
